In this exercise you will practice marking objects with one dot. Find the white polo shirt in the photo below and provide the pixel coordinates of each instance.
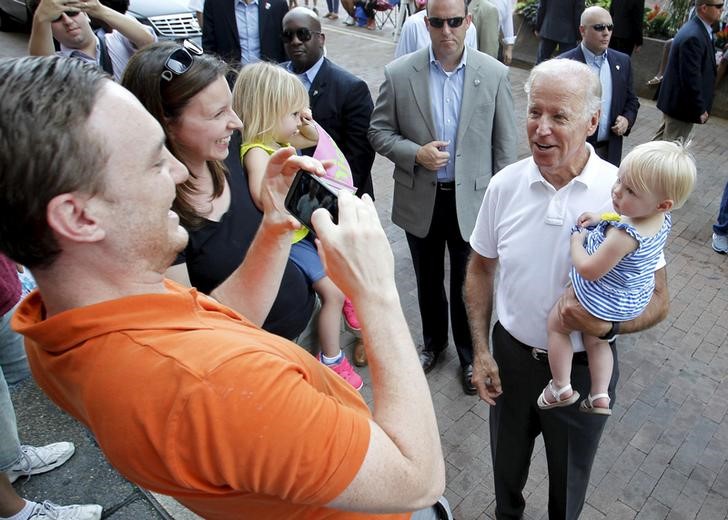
(526, 224)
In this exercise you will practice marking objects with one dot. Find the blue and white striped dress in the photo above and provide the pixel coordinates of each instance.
(624, 292)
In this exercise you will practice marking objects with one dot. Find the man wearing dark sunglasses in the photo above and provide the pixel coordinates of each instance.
(444, 116)
(244, 31)
(686, 92)
(67, 21)
(415, 35)
(619, 102)
(340, 102)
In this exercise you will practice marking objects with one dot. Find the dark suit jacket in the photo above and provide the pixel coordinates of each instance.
(687, 86)
(627, 16)
(624, 101)
(342, 105)
(558, 20)
(220, 30)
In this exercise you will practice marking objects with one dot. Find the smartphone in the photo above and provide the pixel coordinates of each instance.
(308, 193)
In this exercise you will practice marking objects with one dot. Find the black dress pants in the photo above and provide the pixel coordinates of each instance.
(570, 437)
(547, 47)
(428, 257)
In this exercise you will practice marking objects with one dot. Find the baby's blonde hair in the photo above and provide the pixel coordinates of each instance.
(262, 95)
(664, 168)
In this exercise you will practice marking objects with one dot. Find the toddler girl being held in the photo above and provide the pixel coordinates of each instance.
(614, 260)
(273, 105)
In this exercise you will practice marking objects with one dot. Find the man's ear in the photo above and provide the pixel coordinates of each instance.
(593, 122)
(71, 216)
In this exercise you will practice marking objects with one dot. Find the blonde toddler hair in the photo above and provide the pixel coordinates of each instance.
(662, 167)
(262, 95)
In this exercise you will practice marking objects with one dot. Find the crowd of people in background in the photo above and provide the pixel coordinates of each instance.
(179, 266)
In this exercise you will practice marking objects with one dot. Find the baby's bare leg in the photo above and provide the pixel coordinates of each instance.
(560, 350)
(601, 363)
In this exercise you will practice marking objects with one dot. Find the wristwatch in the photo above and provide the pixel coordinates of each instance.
(612, 334)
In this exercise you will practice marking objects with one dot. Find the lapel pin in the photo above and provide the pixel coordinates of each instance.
(617, 67)
(315, 92)
(476, 82)
(267, 5)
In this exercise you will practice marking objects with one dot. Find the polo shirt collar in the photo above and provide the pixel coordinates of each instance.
(586, 178)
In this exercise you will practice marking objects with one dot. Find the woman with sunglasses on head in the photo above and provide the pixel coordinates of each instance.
(188, 94)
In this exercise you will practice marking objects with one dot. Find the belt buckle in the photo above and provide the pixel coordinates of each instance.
(537, 354)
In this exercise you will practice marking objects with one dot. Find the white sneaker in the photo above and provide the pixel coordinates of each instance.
(40, 459)
(50, 511)
(720, 243)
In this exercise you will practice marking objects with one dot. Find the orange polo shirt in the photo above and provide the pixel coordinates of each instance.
(189, 399)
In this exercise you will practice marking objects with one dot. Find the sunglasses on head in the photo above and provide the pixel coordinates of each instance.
(453, 22)
(718, 6)
(70, 14)
(180, 60)
(601, 26)
(303, 34)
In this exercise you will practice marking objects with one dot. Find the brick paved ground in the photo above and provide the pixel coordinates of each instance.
(664, 454)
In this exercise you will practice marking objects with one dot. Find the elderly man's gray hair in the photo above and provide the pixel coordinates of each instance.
(558, 69)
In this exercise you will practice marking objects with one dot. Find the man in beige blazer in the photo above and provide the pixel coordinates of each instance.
(487, 24)
(445, 118)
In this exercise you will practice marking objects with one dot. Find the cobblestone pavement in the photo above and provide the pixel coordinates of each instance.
(664, 454)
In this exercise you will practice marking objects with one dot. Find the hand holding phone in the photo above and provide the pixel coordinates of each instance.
(309, 193)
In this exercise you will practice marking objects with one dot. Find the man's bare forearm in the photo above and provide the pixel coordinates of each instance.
(478, 296)
(252, 288)
(479, 284)
(41, 39)
(656, 310)
(406, 415)
(404, 466)
(134, 31)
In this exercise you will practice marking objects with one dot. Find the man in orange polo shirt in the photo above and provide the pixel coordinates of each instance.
(185, 396)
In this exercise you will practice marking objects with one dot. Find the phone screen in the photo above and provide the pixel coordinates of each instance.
(306, 195)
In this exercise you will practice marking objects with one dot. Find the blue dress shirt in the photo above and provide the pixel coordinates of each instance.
(446, 95)
(246, 18)
(600, 65)
(309, 75)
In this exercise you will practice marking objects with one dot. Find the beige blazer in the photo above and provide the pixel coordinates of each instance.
(402, 122)
(487, 24)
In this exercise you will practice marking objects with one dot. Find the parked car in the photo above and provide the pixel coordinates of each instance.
(170, 19)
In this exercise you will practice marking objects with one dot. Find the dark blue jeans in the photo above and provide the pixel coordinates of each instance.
(721, 224)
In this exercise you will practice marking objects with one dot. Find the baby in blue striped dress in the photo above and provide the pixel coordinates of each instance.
(614, 258)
